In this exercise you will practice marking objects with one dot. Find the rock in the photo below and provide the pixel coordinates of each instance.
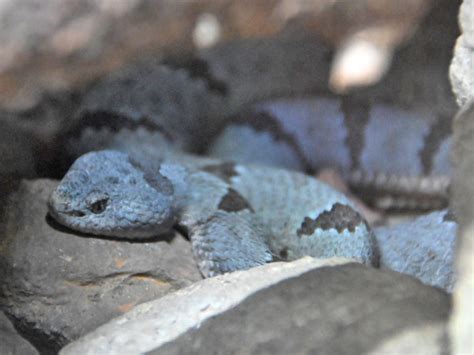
(462, 71)
(300, 307)
(462, 66)
(413, 80)
(59, 285)
(11, 342)
(16, 152)
(365, 33)
(462, 322)
(27, 137)
(429, 338)
(414, 249)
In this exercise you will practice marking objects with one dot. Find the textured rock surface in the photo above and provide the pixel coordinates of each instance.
(462, 65)
(154, 323)
(412, 248)
(335, 309)
(10, 342)
(16, 152)
(339, 310)
(59, 285)
(429, 338)
(462, 322)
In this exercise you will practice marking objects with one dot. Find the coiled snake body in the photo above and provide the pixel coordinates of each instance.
(240, 215)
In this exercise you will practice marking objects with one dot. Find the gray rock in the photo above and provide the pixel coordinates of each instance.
(423, 248)
(154, 323)
(11, 342)
(16, 152)
(462, 321)
(341, 310)
(466, 21)
(417, 77)
(63, 285)
(462, 71)
(462, 65)
(428, 338)
(300, 307)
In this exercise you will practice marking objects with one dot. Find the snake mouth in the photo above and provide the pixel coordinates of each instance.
(74, 213)
(63, 212)
(58, 209)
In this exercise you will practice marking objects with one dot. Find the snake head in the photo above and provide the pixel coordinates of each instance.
(107, 193)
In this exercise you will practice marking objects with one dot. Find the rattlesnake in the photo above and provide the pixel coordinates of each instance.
(242, 215)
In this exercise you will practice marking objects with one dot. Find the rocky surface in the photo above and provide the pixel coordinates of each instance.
(462, 322)
(366, 34)
(429, 338)
(163, 320)
(26, 137)
(462, 65)
(58, 285)
(16, 152)
(417, 76)
(300, 307)
(412, 248)
(11, 343)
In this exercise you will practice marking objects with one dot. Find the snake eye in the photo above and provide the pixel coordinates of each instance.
(97, 202)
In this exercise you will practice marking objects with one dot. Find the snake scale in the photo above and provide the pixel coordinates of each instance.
(244, 204)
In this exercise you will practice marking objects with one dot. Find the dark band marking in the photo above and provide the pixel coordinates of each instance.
(262, 121)
(233, 202)
(197, 68)
(115, 122)
(225, 171)
(98, 120)
(154, 178)
(356, 116)
(439, 131)
(340, 217)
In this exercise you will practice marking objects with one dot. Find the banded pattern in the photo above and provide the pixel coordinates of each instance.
(398, 158)
(236, 221)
